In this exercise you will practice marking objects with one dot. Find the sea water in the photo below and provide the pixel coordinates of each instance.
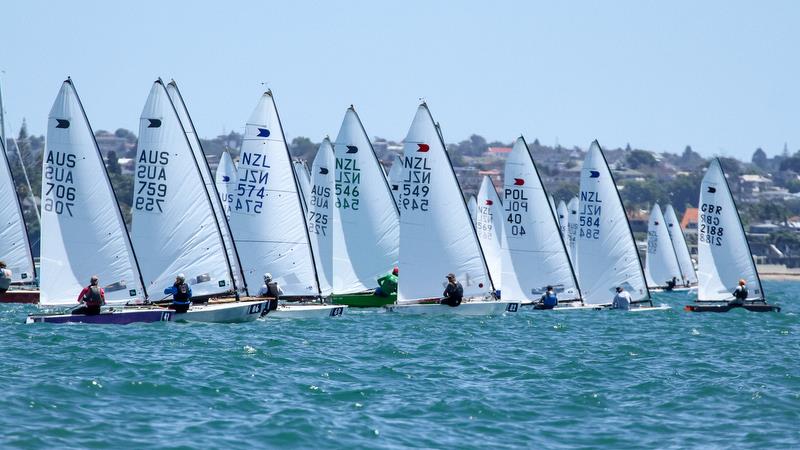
(378, 380)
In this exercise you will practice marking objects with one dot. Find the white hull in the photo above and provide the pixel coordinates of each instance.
(661, 307)
(233, 312)
(571, 308)
(465, 309)
(309, 311)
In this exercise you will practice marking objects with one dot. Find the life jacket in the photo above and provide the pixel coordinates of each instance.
(741, 293)
(182, 294)
(550, 299)
(92, 297)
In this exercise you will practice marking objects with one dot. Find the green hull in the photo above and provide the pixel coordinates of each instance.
(365, 300)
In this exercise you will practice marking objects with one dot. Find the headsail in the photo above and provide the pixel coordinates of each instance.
(267, 217)
(723, 252)
(15, 249)
(607, 253)
(217, 204)
(321, 213)
(174, 227)
(661, 264)
(534, 256)
(395, 178)
(679, 244)
(83, 233)
(226, 181)
(366, 234)
(437, 235)
(489, 224)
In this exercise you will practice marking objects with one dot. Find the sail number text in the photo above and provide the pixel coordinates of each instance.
(150, 192)
(59, 189)
(252, 183)
(709, 230)
(591, 206)
(515, 205)
(416, 184)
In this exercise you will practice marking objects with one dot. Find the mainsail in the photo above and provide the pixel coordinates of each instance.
(83, 233)
(489, 224)
(534, 256)
(563, 216)
(366, 210)
(303, 180)
(661, 264)
(437, 235)
(15, 249)
(685, 263)
(174, 227)
(472, 206)
(218, 206)
(226, 181)
(572, 232)
(395, 178)
(607, 253)
(723, 252)
(267, 217)
(321, 214)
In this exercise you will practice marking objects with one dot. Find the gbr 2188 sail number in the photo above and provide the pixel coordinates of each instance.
(709, 229)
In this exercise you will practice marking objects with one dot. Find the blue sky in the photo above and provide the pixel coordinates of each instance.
(719, 75)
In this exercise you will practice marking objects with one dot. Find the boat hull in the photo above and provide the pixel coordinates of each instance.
(310, 311)
(363, 300)
(20, 296)
(464, 309)
(762, 307)
(228, 312)
(111, 317)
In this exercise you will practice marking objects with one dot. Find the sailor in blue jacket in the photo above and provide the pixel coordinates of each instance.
(181, 294)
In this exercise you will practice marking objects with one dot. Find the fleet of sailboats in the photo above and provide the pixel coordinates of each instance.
(330, 233)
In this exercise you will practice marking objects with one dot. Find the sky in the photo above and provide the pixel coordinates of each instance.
(721, 76)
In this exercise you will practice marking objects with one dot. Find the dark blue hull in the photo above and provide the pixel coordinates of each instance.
(121, 317)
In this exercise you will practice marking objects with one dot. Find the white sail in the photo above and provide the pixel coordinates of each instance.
(218, 206)
(572, 232)
(552, 202)
(366, 237)
(489, 225)
(563, 216)
(688, 274)
(723, 252)
(83, 233)
(303, 180)
(226, 181)
(395, 178)
(174, 227)
(321, 214)
(661, 264)
(472, 206)
(607, 254)
(267, 217)
(437, 235)
(534, 256)
(15, 250)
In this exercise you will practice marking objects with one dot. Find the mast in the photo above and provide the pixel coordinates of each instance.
(111, 187)
(216, 195)
(205, 190)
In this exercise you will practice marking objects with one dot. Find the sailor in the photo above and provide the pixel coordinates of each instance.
(92, 297)
(622, 300)
(387, 284)
(5, 278)
(270, 288)
(548, 301)
(739, 294)
(453, 293)
(181, 294)
(672, 283)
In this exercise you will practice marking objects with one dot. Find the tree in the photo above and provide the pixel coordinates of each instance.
(113, 162)
(759, 158)
(640, 158)
(303, 148)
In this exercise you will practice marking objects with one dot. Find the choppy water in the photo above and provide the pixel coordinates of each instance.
(581, 379)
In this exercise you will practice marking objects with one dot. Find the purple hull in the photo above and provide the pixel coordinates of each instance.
(111, 318)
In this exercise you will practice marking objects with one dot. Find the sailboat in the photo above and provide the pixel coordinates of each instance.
(437, 235)
(489, 225)
(724, 255)
(321, 213)
(366, 227)
(225, 178)
(83, 233)
(685, 264)
(395, 177)
(607, 253)
(534, 255)
(15, 249)
(661, 262)
(175, 228)
(268, 221)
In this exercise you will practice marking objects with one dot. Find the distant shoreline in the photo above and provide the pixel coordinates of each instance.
(779, 276)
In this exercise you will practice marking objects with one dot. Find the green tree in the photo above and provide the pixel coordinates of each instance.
(637, 159)
(759, 158)
(112, 162)
(303, 148)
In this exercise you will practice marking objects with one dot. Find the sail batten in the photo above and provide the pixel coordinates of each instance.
(83, 232)
(724, 255)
